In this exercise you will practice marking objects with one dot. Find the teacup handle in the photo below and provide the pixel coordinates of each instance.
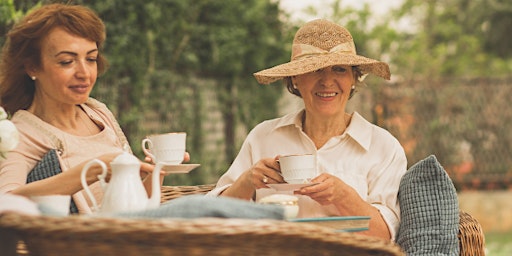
(101, 177)
(148, 142)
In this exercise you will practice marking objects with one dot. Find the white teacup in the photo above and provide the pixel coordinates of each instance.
(167, 147)
(298, 169)
(53, 204)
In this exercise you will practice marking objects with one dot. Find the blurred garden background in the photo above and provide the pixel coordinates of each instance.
(187, 65)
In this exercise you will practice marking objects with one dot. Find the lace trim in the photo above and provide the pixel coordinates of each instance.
(57, 143)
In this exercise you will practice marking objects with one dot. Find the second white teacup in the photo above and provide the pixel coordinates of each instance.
(167, 147)
(298, 169)
(53, 204)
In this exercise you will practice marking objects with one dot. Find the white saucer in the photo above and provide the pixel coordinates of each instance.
(179, 168)
(289, 187)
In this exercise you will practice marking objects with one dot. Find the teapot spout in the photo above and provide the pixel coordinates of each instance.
(154, 200)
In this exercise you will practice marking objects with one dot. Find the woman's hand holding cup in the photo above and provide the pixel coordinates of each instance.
(186, 158)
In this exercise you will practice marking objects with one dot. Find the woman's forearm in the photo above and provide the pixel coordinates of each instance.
(238, 190)
(359, 207)
(64, 183)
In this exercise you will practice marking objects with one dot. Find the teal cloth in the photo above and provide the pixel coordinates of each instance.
(429, 211)
(200, 206)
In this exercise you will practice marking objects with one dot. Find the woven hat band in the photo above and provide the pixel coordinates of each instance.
(302, 51)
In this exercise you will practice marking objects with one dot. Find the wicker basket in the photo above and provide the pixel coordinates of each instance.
(172, 192)
(79, 235)
(471, 236)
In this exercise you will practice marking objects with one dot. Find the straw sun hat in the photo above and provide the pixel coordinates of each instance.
(319, 44)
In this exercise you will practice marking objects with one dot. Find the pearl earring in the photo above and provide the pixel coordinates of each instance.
(33, 78)
(353, 86)
(294, 86)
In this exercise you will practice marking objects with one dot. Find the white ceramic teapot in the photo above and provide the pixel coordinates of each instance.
(125, 191)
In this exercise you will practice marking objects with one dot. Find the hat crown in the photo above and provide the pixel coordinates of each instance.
(322, 34)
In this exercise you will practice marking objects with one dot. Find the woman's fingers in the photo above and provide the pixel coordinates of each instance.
(186, 157)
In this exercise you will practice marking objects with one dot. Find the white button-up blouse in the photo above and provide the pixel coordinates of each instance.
(365, 156)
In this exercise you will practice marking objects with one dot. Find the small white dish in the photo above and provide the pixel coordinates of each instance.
(299, 181)
(179, 168)
(289, 187)
(288, 202)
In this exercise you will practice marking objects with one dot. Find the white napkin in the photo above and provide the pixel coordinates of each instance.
(16, 203)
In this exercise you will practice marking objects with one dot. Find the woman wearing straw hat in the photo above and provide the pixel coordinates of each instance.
(359, 164)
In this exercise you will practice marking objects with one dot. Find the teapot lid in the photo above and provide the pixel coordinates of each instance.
(125, 158)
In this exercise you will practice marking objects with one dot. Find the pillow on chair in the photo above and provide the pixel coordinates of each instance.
(429, 211)
(48, 167)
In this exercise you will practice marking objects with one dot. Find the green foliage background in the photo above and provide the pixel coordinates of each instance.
(180, 65)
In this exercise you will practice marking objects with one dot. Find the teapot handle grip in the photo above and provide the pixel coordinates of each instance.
(101, 177)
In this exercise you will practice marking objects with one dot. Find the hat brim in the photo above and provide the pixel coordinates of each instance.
(306, 65)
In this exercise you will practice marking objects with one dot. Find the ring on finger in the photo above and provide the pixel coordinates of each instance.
(265, 179)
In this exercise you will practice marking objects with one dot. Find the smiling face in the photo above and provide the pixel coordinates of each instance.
(68, 69)
(325, 92)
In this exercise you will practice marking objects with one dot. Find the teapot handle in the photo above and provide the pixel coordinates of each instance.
(101, 177)
(148, 142)
(154, 200)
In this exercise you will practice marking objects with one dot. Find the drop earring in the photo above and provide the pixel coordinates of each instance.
(33, 78)
(353, 86)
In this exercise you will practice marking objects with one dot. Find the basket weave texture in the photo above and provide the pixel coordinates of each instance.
(173, 192)
(81, 235)
(471, 236)
(206, 236)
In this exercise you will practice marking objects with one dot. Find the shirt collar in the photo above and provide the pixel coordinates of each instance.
(291, 119)
(360, 131)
